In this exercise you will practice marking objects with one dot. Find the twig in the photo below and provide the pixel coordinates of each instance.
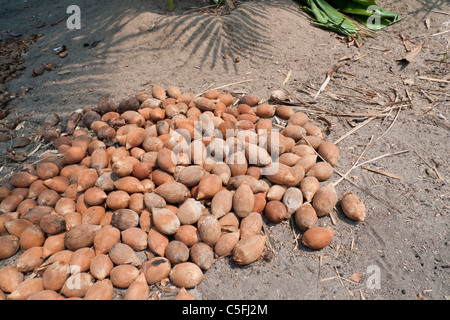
(296, 236)
(440, 122)
(327, 279)
(432, 167)
(226, 85)
(409, 98)
(439, 33)
(393, 121)
(287, 77)
(356, 162)
(433, 79)
(432, 105)
(339, 277)
(360, 57)
(390, 175)
(324, 85)
(362, 296)
(359, 90)
(354, 130)
(333, 218)
(441, 12)
(381, 157)
(430, 99)
(320, 266)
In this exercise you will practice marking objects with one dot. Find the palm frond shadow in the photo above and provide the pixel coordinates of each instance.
(427, 6)
(219, 38)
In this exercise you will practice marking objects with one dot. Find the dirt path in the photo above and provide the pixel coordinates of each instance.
(123, 47)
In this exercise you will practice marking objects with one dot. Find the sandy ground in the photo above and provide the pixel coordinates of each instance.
(402, 248)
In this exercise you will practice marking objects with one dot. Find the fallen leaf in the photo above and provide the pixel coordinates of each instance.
(412, 53)
(406, 41)
(356, 277)
(410, 56)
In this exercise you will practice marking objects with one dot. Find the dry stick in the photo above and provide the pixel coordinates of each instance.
(330, 73)
(206, 90)
(432, 105)
(287, 77)
(299, 104)
(354, 130)
(390, 111)
(339, 277)
(433, 79)
(409, 98)
(430, 99)
(296, 236)
(233, 83)
(385, 173)
(393, 121)
(269, 240)
(441, 12)
(354, 165)
(320, 266)
(439, 33)
(333, 113)
(226, 85)
(362, 296)
(327, 279)
(432, 167)
(368, 120)
(382, 156)
(372, 160)
(325, 83)
(359, 90)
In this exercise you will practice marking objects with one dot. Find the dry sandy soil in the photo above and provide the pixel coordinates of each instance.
(125, 46)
